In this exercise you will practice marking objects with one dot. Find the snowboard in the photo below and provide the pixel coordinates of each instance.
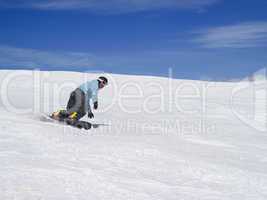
(79, 124)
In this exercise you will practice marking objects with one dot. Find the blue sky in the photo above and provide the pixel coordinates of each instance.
(199, 39)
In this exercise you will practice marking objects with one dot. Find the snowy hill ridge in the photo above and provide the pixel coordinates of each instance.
(164, 139)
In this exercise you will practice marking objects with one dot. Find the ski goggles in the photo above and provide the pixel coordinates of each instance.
(102, 82)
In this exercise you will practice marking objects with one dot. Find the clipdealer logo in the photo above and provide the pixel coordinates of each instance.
(254, 98)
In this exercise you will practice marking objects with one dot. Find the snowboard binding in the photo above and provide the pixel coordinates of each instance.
(70, 119)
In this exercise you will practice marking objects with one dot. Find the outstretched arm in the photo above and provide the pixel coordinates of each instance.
(90, 114)
(94, 97)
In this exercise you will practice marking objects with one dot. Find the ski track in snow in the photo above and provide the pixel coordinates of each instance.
(42, 160)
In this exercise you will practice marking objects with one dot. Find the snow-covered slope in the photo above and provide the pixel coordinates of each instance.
(163, 139)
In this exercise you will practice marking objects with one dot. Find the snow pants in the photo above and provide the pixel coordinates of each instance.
(76, 103)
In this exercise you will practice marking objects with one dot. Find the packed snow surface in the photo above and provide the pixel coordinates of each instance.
(161, 139)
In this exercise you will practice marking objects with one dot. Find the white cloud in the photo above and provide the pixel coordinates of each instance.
(109, 6)
(31, 58)
(243, 35)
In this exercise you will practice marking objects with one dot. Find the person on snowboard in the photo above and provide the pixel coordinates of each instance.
(79, 101)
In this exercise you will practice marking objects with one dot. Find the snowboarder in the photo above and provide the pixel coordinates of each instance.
(79, 101)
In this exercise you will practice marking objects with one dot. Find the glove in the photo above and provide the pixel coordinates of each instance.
(90, 115)
(96, 105)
